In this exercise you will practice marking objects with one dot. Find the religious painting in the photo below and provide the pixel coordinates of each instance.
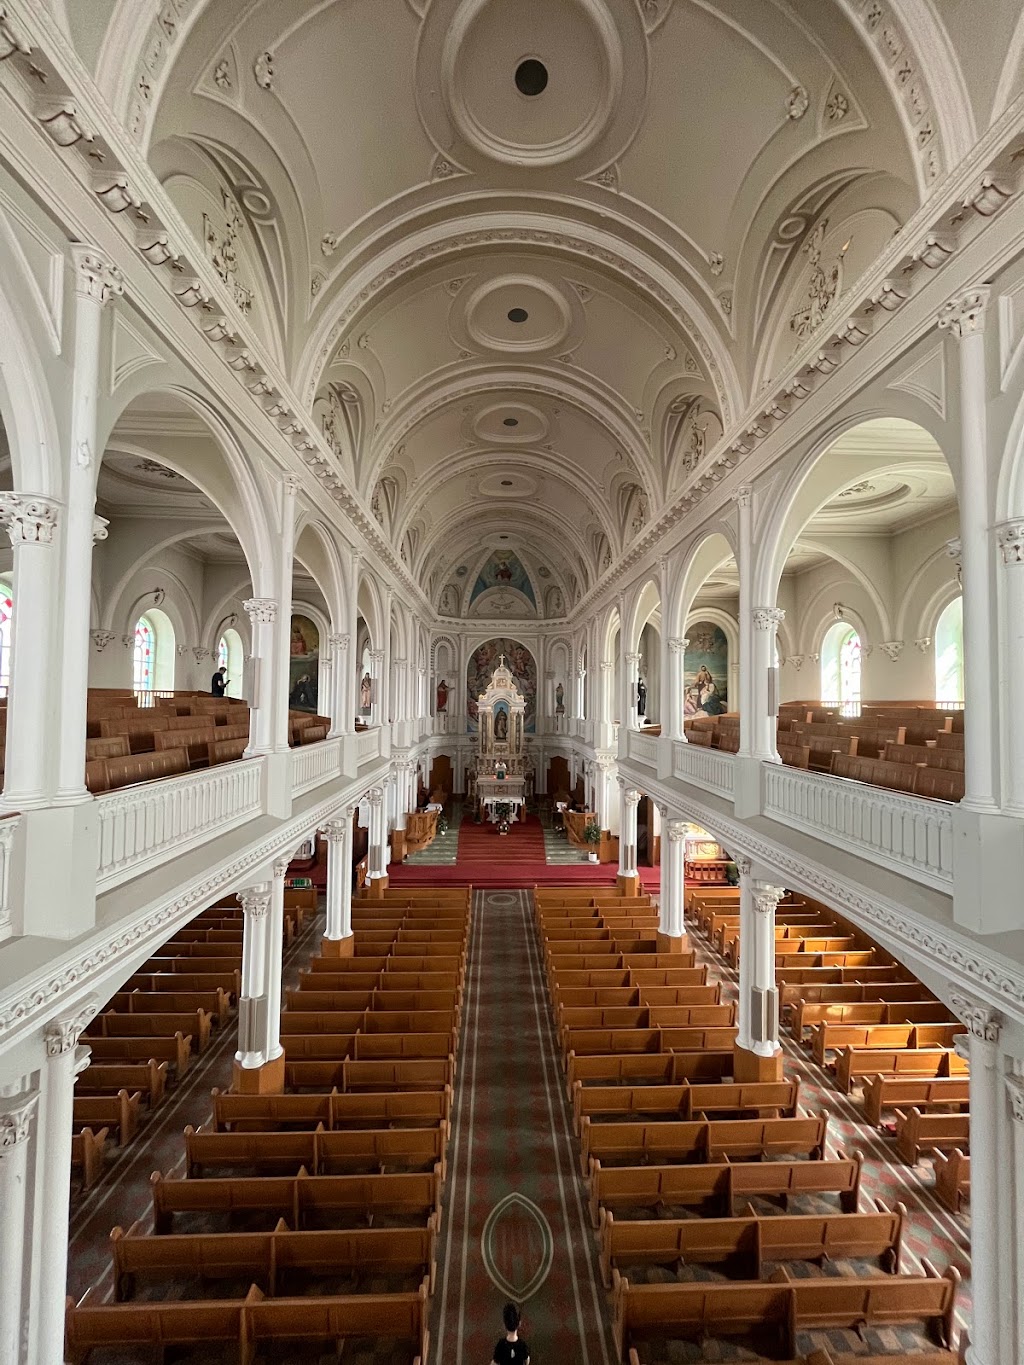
(706, 670)
(303, 665)
(504, 571)
(520, 663)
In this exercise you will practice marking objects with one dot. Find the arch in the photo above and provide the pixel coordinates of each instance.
(26, 408)
(715, 548)
(645, 605)
(231, 656)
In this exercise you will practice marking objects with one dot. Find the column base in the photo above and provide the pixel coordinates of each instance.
(375, 887)
(673, 943)
(267, 1079)
(627, 883)
(748, 1067)
(338, 947)
(398, 849)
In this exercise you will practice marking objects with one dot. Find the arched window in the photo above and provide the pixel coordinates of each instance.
(222, 654)
(231, 656)
(840, 668)
(949, 655)
(144, 658)
(6, 620)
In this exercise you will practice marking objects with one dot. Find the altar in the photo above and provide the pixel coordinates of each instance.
(509, 791)
(501, 775)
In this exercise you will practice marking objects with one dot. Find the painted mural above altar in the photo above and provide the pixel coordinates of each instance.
(503, 587)
(520, 663)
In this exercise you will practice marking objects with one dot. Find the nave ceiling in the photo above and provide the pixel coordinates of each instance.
(523, 316)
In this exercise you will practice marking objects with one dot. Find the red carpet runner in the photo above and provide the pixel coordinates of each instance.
(514, 1224)
(524, 842)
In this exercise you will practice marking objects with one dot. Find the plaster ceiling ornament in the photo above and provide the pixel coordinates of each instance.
(837, 106)
(222, 250)
(823, 287)
(716, 262)
(797, 102)
(725, 302)
(263, 70)
(222, 74)
(923, 644)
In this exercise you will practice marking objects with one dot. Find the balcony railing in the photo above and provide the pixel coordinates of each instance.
(711, 769)
(910, 835)
(314, 764)
(642, 748)
(367, 745)
(145, 824)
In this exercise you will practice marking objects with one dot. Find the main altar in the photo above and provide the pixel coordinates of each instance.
(503, 772)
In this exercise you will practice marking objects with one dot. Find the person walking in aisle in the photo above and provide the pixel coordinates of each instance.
(511, 1349)
(218, 683)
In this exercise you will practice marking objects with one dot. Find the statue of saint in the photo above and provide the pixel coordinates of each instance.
(365, 691)
(442, 697)
(641, 697)
(559, 700)
(501, 725)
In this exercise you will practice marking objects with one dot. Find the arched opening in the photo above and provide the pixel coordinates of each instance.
(144, 655)
(231, 657)
(949, 655)
(841, 668)
(153, 653)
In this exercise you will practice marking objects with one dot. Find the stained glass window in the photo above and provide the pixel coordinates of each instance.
(841, 667)
(143, 658)
(6, 617)
(949, 655)
(222, 653)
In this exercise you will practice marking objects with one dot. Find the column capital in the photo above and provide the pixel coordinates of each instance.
(742, 496)
(964, 314)
(743, 865)
(254, 900)
(1015, 1090)
(606, 665)
(375, 796)
(281, 866)
(377, 656)
(632, 658)
(768, 618)
(677, 644)
(16, 1113)
(892, 649)
(62, 1035)
(676, 830)
(99, 529)
(336, 829)
(29, 518)
(1010, 539)
(102, 638)
(261, 610)
(981, 1021)
(97, 278)
(629, 794)
(339, 641)
(767, 897)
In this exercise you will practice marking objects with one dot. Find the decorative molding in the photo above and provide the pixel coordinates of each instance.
(97, 278)
(1010, 539)
(263, 70)
(892, 649)
(676, 830)
(964, 314)
(923, 644)
(29, 518)
(102, 638)
(261, 610)
(62, 1035)
(16, 1114)
(99, 529)
(768, 618)
(1015, 1091)
(797, 102)
(981, 1020)
(254, 900)
(766, 897)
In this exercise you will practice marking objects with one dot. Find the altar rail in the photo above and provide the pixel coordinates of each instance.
(711, 769)
(909, 834)
(145, 824)
(313, 764)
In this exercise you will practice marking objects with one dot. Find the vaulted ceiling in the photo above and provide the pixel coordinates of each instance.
(526, 258)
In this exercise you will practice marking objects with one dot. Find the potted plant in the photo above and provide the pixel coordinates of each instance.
(592, 836)
(502, 815)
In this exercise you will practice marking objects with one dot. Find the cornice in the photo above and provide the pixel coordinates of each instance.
(998, 980)
(51, 990)
(157, 245)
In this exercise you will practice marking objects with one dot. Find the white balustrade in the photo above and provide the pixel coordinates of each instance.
(367, 745)
(146, 824)
(313, 764)
(643, 748)
(708, 768)
(909, 834)
(8, 829)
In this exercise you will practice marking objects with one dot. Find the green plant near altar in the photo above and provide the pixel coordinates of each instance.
(592, 832)
(503, 811)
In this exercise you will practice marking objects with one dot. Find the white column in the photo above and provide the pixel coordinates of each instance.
(377, 700)
(629, 799)
(377, 850)
(631, 678)
(766, 622)
(255, 903)
(964, 316)
(275, 959)
(746, 955)
(97, 280)
(672, 683)
(671, 919)
(31, 522)
(607, 700)
(579, 699)
(341, 712)
(338, 833)
(988, 1107)
(763, 1011)
(1010, 538)
(65, 1060)
(16, 1116)
(262, 613)
(1015, 1277)
(422, 708)
(744, 703)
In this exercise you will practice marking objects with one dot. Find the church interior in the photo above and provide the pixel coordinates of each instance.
(514, 545)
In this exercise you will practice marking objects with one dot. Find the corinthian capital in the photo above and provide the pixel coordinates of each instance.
(28, 518)
(1010, 536)
(339, 641)
(62, 1035)
(262, 610)
(981, 1021)
(97, 278)
(254, 900)
(16, 1119)
(768, 618)
(766, 897)
(964, 315)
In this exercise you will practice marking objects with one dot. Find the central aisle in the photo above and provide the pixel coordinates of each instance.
(515, 1224)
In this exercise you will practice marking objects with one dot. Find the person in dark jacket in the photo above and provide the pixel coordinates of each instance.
(511, 1349)
(219, 683)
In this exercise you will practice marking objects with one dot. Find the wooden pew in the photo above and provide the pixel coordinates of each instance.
(263, 1113)
(176, 1051)
(119, 1112)
(352, 1074)
(831, 1037)
(216, 1002)
(589, 1041)
(722, 1184)
(320, 1151)
(265, 1258)
(780, 1309)
(230, 982)
(809, 1014)
(685, 1101)
(741, 1139)
(196, 1023)
(952, 1179)
(87, 1154)
(917, 1132)
(646, 1068)
(744, 1244)
(149, 1078)
(855, 1062)
(893, 1092)
(302, 1200)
